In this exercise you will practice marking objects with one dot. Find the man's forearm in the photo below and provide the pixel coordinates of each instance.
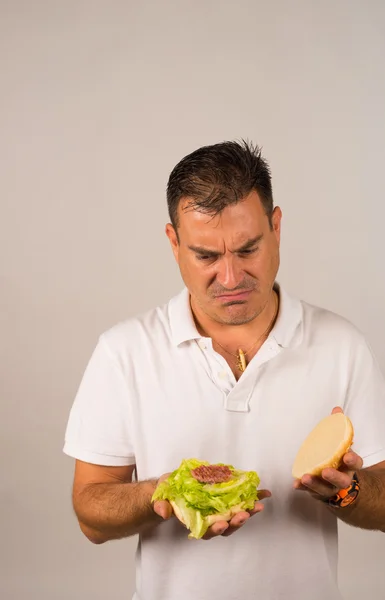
(108, 511)
(368, 512)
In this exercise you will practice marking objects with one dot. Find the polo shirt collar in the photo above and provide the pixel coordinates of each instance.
(288, 326)
(288, 323)
(183, 328)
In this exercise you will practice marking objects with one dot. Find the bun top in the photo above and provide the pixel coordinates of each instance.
(325, 446)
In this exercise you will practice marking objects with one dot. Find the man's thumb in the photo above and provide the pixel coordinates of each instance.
(163, 509)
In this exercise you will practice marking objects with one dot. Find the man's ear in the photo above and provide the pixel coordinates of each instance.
(173, 239)
(276, 222)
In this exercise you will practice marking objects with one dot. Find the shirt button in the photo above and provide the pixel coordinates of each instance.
(223, 375)
(202, 346)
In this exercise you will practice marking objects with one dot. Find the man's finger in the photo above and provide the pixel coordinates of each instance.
(298, 485)
(337, 479)
(262, 494)
(225, 528)
(216, 529)
(318, 486)
(239, 519)
(163, 477)
(258, 507)
(353, 461)
(236, 523)
(163, 509)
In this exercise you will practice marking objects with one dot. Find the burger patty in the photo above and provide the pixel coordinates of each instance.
(211, 473)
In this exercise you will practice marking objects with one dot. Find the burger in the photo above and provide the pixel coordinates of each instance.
(201, 493)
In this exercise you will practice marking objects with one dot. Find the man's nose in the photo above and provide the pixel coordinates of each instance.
(230, 273)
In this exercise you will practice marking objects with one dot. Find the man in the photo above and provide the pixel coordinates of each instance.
(231, 370)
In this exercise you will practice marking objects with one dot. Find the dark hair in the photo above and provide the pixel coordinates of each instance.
(217, 176)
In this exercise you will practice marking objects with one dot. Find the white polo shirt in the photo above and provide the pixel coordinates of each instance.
(155, 392)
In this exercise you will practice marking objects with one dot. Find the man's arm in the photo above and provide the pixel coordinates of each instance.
(109, 505)
(368, 512)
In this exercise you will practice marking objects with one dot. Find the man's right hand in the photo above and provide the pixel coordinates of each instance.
(162, 507)
(228, 528)
(224, 528)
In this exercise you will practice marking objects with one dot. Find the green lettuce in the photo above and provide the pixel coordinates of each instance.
(198, 504)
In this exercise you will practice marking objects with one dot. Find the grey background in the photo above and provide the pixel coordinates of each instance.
(98, 101)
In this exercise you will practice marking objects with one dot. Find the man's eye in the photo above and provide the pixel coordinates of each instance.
(204, 257)
(249, 251)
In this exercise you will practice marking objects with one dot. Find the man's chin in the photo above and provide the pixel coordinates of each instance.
(236, 314)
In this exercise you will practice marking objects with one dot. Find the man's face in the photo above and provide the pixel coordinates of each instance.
(228, 262)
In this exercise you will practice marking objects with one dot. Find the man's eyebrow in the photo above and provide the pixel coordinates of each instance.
(250, 243)
(203, 251)
(246, 246)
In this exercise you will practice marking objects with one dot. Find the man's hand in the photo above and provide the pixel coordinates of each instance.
(162, 507)
(331, 481)
(225, 528)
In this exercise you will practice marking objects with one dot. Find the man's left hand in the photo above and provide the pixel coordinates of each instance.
(331, 480)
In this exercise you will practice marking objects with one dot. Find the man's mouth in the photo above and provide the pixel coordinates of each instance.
(239, 296)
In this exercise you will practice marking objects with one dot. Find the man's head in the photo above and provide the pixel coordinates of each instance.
(224, 230)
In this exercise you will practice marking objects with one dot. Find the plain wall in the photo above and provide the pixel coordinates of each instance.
(98, 101)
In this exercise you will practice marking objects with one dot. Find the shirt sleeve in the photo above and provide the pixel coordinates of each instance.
(365, 405)
(98, 428)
